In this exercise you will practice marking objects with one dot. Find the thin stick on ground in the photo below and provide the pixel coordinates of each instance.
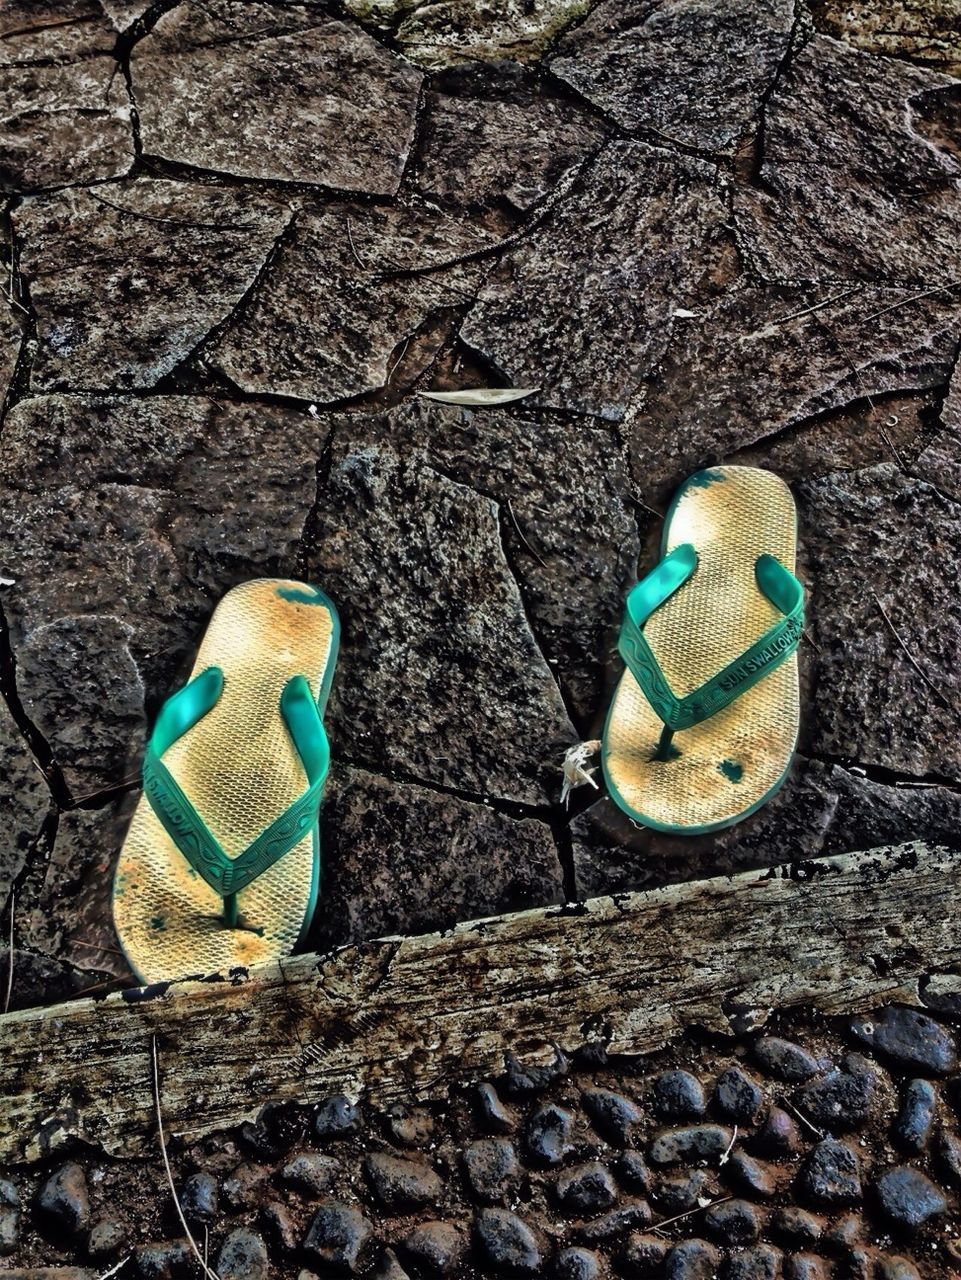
(915, 297)
(804, 1120)
(9, 995)
(115, 1268)
(666, 1222)
(520, 533)
(211, 1275)
(817, 306)
(911, 658)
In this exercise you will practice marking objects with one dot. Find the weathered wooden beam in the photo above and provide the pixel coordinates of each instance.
(407, 1016)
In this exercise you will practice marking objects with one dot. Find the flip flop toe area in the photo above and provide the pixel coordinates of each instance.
(240, 770)
(719, 770)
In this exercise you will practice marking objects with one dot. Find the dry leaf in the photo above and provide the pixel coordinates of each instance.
(480, 395)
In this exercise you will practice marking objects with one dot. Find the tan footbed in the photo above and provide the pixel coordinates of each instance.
(240, 770)
(729, 763)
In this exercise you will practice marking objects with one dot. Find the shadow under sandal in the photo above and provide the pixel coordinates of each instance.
(221, 865)
(704, 721)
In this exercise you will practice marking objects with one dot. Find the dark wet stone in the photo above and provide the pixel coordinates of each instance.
(493, 1114)
(681, 1193)
(694, 1142)
(844, 1098)
(338, 1236)
(311, 1172)
(106, 1239)
(219, 89)
(524, 1078)
(915, 1119)
(149, 303)
(695, 76)
(750, 1176)
(243, 1256)
(613, 260)
(410, 1126)
(908, 1198)
(845, 1233)
(677, 1095)
(785, 1059)
(513, 144)
(840, 121)
(896, 1269)
(332, 310)
(635, 1215)
(199, 1198)
(435, 1247)
(644, 1255)
(632, 1171)
(336, 1117)
(507, 1242)
(612, 1115)
(737, 1097)
(165, 1260)
(692, 1260)
(63, 1201)
(911, 1038)
(805, 1266)
(400, 1183)
(492, 1169)
(733, 1222)
(280, 1224)
(242, 1188)
(796, 1227)
(388, 1268)
(949, 1150)
(760, 1263)
(778, 1136)
(577, 1264)
(275, 1130)
(548, 1134)
(9, 1216)
(586, 1189)
(832, 1174)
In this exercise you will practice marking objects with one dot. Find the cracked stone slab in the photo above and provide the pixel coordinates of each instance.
(440, 678)
(127, 280)
(347, 289)
(278, 92)
(498, 137)
(440, 33)
(878, 538)
(61, 120)
(940, 461)
(11, 337)
(123, 522)
(388, 846)
(849, 189)
(565, 518)
(38, 31)
(693, 72)
(755, 361)
(926, 31)
(24, 800)
(584, 307)
(822, 809)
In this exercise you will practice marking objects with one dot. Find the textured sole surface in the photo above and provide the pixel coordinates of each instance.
(240, 770)
(726, 766)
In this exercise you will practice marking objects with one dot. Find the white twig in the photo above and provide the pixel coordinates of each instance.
(666, 1222)
(211, 1275)
(6, 1002)
(576, 774)
(730, 1147)
(115, 1268)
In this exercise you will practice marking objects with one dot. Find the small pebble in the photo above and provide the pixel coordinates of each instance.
(632, 1172)
(778, 1136)
(337, 1117)
(678, 1095)
(106, 1239)
(9, 1216)
(737, 1096)
(63, 1201)
(695, 1142)
(682, 1193)
(893, 1268)
(165, 1260)
(309, 1171)
(832, 1174)
(279, 1224)
(493, 1114)
(634, 1216)
(692, 1260)
(612, 1115)
(338, 1236)
(785, 1059)
(548, 1134)
(402, 1184)
(242, 1256)
(912, 1128)
(388, 1268)
(198, 1198)
(277, 1127)
(911, 1038)
(643, 1255)
(845, 1233)
(908, 1198)
(508, 1243)
(526, 1078)
(492, 1169)
(750, 1176)
(762, 1262)
(733, 1222)
(410, 1126)
(435, 1247)
(242, 1189)
(843, 1099)
(805, 1266)
(796, 1226)
(949, 1149)
(577, 1264)
(586, 1189)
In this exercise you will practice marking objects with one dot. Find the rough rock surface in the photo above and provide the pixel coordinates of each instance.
(721, 59)
(926, 30)
(275, 91)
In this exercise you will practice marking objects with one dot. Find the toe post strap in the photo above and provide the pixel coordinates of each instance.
(775, 646)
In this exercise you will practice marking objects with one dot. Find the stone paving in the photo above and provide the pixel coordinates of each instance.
(240, 237)
(818, 1150)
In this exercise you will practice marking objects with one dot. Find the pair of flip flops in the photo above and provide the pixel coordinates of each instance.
(221, 865)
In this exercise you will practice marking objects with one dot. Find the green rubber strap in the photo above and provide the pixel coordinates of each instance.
(775, 646)
(184, 824)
